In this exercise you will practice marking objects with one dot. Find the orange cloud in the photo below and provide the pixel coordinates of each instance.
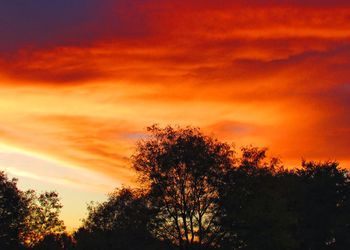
(275, 75)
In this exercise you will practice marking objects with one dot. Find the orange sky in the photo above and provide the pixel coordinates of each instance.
(78, 84)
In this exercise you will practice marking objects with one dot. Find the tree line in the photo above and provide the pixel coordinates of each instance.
(194, 193)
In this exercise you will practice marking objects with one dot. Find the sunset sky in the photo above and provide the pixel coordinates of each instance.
(81, 79)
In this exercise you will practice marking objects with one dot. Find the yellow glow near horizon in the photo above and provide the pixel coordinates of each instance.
(76, 185)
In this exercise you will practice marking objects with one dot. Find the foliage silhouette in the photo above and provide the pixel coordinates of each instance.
(13, 210)
(324, 206)
(267, 207)
(43, 217)
(256, 204)
(25, 217)
(119, 223)
(183, 168)
(195, 194)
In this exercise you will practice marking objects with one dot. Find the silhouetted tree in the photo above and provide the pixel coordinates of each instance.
(13, 210)
(256, 210)
(183, 168)
(119, 223)
(324, 206)
(43, 218)
(195, 195)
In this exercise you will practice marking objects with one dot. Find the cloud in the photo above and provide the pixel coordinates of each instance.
(82, 88)
(39, 23)
(145, 41)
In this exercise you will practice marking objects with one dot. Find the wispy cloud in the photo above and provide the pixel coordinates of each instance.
(273, 74)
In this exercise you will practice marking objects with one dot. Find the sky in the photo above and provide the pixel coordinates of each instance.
(80, 80)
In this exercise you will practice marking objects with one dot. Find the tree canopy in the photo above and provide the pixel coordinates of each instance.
(13, 211)
(194, 193)
(119, 223)
(43, 217)
(183, 168)
(25, 217)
